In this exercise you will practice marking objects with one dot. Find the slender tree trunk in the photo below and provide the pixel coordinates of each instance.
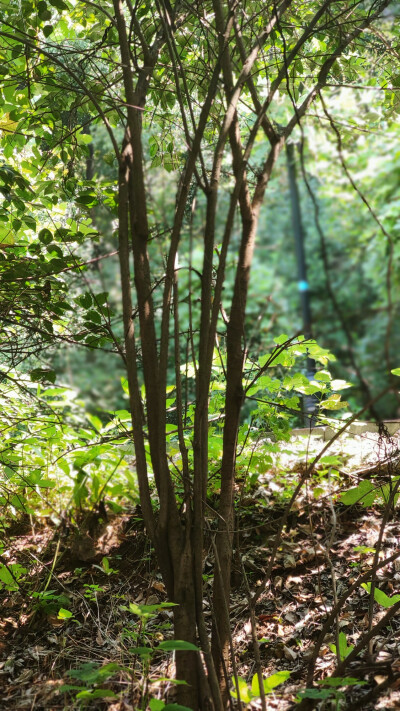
(233, 402)
(185, 628)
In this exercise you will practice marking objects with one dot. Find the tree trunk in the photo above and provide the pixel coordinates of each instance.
(189, 666)
(187, 663)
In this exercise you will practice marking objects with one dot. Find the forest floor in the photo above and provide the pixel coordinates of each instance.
(67, 632)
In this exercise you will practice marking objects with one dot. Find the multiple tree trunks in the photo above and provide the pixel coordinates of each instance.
(178, 536)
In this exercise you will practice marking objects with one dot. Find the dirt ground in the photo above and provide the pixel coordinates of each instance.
(70, 615)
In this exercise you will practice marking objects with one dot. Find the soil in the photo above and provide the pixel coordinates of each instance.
(73, 612)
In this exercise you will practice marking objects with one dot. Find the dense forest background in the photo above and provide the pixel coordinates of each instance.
(346, 251)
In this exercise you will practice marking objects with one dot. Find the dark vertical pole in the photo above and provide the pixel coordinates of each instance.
(309, 402)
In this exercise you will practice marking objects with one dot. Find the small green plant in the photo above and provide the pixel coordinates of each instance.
(363, 550)
(146, 612)
(381, 597)
(333, 691)
(64, 615)
(249, 692)
(105, 567)
(367, 493)
(146, 647)
(92, 590)
(10, 575)
(344, 649)
(322, 694)
(91, 675)
(50, 601)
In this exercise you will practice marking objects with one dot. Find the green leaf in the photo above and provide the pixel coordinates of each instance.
(177, 644)
(323, 375)
(381, 597)
(122, 415)
(255, 686)
(91, 673)
(64, 614)
(336, 681)
(97, 694)
(29, 221)
(147, 611)
(45, 236)
(144, 652)
(274, 680)
(396, 371)
(332, 459)
(156, 704)
(84, 139)
(47, 484)
(344, 650)
(333, 403)
(43, 12)
(93, 316)
(284, 358)
(340, 384)
(125, 386)
(244, 691)
(321, 354)
(283, 338)
(59, 4)
(364, 494)
(40, 375)
(101, 298)
(106, 565)
(10, 575)
(87, 199)
(315, 694)
(84, 300)
(95, 421)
